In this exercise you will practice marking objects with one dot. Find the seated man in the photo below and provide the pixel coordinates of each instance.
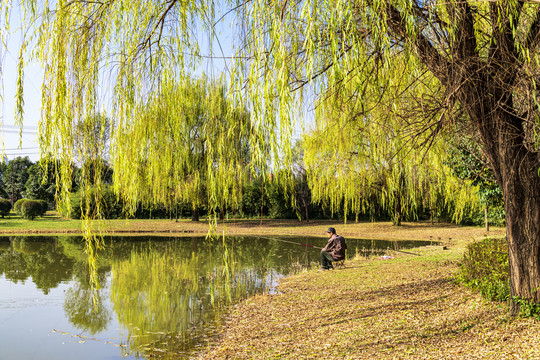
(334, 249)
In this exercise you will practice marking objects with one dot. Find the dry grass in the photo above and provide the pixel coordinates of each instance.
(405, 308)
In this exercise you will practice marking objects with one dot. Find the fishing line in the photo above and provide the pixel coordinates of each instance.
(290, 242)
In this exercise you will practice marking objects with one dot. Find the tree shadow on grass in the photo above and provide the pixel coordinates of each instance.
(425, 313)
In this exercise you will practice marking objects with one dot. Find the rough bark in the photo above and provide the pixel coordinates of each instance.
(516, 167)
(521, 189)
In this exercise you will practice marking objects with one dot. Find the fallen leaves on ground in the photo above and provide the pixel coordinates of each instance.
(404, 308)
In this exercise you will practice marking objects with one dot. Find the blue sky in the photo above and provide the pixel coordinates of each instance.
(12, 143)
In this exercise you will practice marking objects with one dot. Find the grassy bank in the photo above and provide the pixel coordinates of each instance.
(405, 308)
(53, 223)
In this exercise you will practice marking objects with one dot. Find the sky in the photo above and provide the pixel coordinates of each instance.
(12, 143)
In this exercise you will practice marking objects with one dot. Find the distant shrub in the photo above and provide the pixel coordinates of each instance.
(44, 206)
(110, 207)
(5, 207)
(18, 204)
(484, 268)
(30, 209)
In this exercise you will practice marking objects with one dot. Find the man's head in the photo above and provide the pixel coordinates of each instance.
(331, 231)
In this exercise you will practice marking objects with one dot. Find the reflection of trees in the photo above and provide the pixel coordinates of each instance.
(50, 261)
(39, 258)
(83, 305)
(85, 309)
(13, 266)
(167, 295)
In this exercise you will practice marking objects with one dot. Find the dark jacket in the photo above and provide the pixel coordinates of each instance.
(336, 246)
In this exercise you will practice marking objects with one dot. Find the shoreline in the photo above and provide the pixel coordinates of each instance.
(408, 307)
(444, 232)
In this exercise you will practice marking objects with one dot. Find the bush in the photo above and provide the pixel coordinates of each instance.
(30, 209)
(110, 207)
(18, 204)
(5, 207)
(484, 268)
(250, 203)
(44, 206)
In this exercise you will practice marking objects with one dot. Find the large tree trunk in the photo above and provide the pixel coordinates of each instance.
(516, 164)
(521, 188)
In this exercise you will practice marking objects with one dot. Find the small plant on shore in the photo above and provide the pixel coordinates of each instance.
(484, 268)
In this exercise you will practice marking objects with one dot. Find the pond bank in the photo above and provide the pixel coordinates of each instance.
(405, 308)
(54, 224)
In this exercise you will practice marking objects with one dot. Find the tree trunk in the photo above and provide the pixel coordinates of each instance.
(397, 210)
(522, 207)
(516, 168)
(195, 214)
(397, 214)
(486, 218)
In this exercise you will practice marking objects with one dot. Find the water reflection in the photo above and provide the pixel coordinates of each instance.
(161, 297)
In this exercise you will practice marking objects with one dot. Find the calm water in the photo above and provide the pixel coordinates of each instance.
(159, 298)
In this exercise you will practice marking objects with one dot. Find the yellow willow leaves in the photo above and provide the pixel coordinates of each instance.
(180, 144)
(358, 159)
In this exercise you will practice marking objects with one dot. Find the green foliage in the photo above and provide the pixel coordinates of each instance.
(253, 199)
(109, 205)
(18, 204)
(41, 183)
(527, 308)
(15, 177)
(5, 207)
(364, 162)
(468, 162)
(279, 202)
(484, 268)
(44, 206)
(30, 209)
(198, 152)
(112, 208)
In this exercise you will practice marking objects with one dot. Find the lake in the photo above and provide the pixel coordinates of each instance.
(158, 297)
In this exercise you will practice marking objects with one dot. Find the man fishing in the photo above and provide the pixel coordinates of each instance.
(334, 249)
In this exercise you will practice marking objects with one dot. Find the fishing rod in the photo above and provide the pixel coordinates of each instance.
(290, 242)
(405, 252)
(320, 248)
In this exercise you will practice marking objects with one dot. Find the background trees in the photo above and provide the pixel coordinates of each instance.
(15, 176)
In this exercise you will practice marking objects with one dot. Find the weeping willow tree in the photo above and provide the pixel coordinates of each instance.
(345, 171)
(185, 143)
(367, 151)
(483, 55)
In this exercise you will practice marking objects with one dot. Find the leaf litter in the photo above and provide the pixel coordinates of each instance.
(403, 308)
